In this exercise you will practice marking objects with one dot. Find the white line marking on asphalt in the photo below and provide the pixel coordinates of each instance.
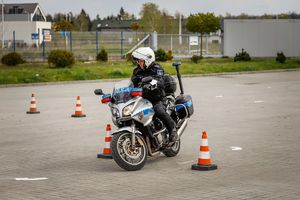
(258, 101)
(236, 148)
(269, 87)
(186, 162)
(219, 96)
(30, 179)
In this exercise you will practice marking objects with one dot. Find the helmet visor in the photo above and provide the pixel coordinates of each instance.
(137, 60)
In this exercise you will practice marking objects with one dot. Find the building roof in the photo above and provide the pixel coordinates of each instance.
(115, 24)
(19, 8)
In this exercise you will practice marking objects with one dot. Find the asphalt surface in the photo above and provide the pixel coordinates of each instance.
(252, 122)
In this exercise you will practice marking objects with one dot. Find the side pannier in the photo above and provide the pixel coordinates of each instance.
(184, 106)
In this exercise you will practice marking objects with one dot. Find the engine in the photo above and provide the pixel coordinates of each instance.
(158, 133)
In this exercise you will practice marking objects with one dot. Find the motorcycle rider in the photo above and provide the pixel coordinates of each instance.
(146, 66)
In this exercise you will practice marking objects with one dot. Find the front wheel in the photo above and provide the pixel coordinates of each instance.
(125, 155)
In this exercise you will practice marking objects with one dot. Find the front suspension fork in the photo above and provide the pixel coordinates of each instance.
(133, 135)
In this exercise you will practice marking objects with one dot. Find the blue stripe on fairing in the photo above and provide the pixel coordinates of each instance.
(106, 96)
(148, 111)
(136, 90)
(127, 90)
(187, 104)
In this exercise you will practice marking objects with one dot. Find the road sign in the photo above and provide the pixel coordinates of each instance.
(47, 36)
(64, 33)
(34, 36)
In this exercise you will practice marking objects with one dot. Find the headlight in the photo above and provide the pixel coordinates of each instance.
(127, 110)
(115, 112)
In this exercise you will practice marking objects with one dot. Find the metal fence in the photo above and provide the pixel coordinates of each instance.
(187, 45)
(86, 45)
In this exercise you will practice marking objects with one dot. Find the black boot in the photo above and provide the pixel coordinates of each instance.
(173, 137)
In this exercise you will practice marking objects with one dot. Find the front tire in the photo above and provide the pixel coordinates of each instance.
(173, 150)
(128, 158)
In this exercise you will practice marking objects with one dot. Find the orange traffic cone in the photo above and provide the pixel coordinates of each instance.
(33, 109)
(204, 161)
(78, 111)
(107, 150)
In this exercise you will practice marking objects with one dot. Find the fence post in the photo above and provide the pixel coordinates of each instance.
(97, 43)
(71, 41)
(154, 41)
(171, 42)
(189, 44)
(145, 40)
(121, 44)
(207, 44)
(14, 40)
(66, 39)
(43, 42)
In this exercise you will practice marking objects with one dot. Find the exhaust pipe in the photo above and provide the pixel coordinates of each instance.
(182, 128)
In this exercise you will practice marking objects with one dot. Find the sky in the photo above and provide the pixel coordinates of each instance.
(186, 7)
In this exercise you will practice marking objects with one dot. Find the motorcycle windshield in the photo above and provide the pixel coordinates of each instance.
(121, 92)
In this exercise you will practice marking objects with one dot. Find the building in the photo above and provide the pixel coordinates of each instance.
(27, 21)
(262, 37)
(115, 25)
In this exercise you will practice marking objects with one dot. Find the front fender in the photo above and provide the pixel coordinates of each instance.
(126, 129)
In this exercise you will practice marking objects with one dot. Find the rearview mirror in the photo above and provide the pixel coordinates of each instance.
(98, 92)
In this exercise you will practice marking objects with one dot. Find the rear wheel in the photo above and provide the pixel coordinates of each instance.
(125, 155)
(173, 150)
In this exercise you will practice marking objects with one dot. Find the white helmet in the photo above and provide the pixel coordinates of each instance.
(144, 53)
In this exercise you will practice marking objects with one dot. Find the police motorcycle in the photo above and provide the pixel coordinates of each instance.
(140, 133)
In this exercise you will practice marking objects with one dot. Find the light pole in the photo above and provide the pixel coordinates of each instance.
(2, 24)
(180, 31)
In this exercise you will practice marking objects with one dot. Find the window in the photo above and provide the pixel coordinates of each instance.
(16, 10)
(38, 16)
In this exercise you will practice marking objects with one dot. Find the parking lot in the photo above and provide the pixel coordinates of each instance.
(252, 122)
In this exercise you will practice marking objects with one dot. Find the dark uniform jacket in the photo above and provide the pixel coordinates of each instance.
(157, 73)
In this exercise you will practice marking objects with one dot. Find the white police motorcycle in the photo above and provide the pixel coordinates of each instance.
(140, 133)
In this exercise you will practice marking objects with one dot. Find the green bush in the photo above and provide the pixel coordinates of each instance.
(102, 55)
(61, 58)
(12, 59)
(161, 55)
(196, 59)
(169, 55)
(242, 56)
(280, 57)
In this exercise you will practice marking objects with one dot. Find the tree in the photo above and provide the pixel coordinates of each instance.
(62, 26)
(150, 17)
(168, 23)
(82, 22)
(58, 17)
(283, 16)
(135, 26)
(266, 16)
(203, 23)
(243, 16)
(132, 17)
(121, 14)
(49, 18)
